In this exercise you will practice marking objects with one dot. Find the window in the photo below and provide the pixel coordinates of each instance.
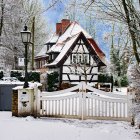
(74, 58)
(85, 59)
(37, 64)
(50, 57)
(80, 58)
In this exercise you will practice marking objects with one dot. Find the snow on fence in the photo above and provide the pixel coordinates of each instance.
(76, 102)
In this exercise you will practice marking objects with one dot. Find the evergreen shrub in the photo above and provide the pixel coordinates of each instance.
(16, 74)
(52, 81)
(124, 81)
(32, 76)
(105, 78)
(1, 74)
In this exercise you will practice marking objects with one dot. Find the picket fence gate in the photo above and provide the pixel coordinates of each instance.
(83, 102)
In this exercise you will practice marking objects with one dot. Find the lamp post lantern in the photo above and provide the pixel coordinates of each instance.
(26, 37)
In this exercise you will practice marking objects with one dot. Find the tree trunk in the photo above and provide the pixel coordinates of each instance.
(1, 18)
(132, 33)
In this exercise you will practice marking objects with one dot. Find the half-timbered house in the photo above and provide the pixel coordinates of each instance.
(73, 54)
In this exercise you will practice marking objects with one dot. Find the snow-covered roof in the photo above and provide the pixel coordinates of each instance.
(72, 30)
(53, 39)
(63, 49)
(56, 48)
(63, 42)
(43, 51)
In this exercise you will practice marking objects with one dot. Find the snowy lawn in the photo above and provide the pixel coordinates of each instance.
(13, 128)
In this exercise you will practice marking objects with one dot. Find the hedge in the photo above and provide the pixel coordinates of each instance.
(1, 74)
(32, 76)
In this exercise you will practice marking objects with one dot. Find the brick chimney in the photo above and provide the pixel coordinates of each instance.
(58, 28)
(61, 27)
(65, 24)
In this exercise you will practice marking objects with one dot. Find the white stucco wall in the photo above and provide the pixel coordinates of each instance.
(25, 101)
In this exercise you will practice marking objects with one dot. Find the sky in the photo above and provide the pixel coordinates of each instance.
(54, 15)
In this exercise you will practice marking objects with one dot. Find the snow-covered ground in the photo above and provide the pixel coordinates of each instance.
(121, 91)
(13, 128)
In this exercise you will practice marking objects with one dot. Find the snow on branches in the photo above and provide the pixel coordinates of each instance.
(134, 79)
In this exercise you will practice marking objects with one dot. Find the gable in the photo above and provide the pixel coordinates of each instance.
(42, 52)
(71, 45)
(80, 47)
(65, 47)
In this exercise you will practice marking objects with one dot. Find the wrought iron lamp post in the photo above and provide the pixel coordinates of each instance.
(26, 37)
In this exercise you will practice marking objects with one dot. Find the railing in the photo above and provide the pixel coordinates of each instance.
(75, 102)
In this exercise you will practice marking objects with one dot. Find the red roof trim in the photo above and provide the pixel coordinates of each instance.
(97, 49)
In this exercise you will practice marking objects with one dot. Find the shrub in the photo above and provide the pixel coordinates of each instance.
(52, 81)
(1, 74)
(104, 78)
(16, 74)
(34, 76)
(124, 81)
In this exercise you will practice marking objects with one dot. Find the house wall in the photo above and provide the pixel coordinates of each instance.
(25, 101)
(39, 64)
(73, 71)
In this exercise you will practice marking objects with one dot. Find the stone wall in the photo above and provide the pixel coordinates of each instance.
(15, 103)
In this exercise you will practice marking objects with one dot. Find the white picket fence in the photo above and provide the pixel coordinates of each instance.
(76, 102)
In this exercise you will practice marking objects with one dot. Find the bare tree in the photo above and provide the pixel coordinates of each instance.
(123, 11)
(75, 11)
(16, 14)
(1, 16)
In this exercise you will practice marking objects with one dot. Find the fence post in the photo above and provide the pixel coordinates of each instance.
(82, 100)
(36, 93)
(37, 102)
(83, 105)
(129, 105)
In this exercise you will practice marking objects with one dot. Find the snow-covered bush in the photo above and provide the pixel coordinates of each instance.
(32, 76)
(16, 74)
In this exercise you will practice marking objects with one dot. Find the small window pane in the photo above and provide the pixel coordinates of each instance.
(74, 59)
(86, 59)
(80, 58)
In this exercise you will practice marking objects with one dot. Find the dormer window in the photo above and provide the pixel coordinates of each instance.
(52, 56)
